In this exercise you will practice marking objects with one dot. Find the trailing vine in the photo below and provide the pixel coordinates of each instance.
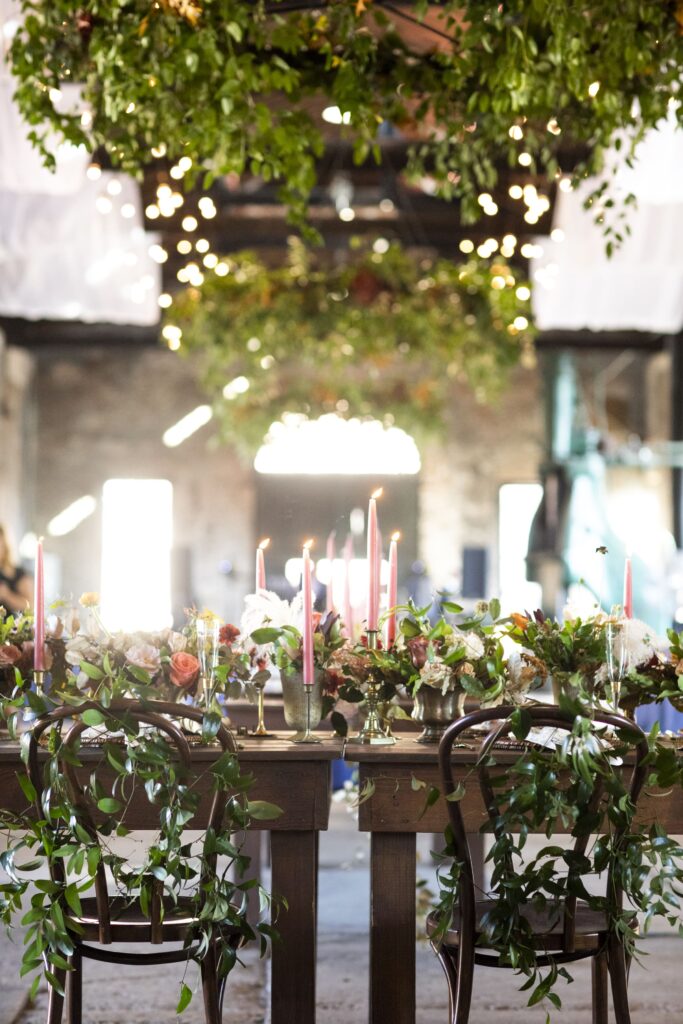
(66, 855)
(549, 789)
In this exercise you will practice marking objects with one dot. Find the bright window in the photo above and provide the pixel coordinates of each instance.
(517, 504)
(137, 533)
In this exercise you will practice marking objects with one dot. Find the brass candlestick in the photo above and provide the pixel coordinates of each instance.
(373, 731)
(39, 679)
(260, 729)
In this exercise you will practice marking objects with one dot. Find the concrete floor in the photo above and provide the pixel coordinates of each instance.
(113, 995)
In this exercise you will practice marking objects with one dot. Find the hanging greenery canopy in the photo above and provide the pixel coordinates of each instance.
(384, 334)
(236, 85)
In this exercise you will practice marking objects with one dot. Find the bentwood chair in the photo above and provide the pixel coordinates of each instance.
(107, 918)
(562, 933)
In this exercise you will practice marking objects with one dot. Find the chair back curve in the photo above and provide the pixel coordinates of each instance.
(162, 716)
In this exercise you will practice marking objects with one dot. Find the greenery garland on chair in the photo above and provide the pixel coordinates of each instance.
(235, 85)
(382, 334)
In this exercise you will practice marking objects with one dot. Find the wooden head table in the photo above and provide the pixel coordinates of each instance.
(298, 779)
(392, 816)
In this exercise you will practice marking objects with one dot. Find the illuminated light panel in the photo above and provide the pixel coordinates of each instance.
(72, 516)
(297, 445)
(137, 534)
(187, 426)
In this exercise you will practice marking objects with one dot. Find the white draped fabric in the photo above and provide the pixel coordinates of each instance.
(577, 287)
(70, 248)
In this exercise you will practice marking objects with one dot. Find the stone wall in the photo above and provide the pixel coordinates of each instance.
(102, 413)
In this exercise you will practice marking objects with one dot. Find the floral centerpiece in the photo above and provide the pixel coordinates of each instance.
(274, 628)
(85, 660)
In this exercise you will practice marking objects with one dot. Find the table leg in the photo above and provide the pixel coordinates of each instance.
(295, 876)
(392, 928)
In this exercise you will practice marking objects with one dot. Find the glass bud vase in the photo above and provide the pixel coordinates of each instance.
(294, 701)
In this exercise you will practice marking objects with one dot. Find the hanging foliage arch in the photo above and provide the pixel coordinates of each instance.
(383, 334)
(237, 85)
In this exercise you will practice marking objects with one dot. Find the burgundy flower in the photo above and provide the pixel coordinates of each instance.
(417, 646)
(228, 634)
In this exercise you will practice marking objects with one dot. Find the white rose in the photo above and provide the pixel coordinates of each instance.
(144, 656)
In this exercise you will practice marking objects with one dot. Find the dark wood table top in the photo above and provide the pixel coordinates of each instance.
(402, 774)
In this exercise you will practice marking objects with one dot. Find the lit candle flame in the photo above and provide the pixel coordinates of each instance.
(396, 535)
(308, 543)
(264, 543)
(378, 493)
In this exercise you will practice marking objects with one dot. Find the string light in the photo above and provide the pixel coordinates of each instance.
(103, 204)
(165, 300)
(222, 269)
(515, 192)
(128, 210)
(158, 253)
(557, 235)
(190, 223)
(114, 187)
(210, 260)
(152, 211)
(593, 89)
(202, 245)
(516, 133)
(466, 246)
(176, 173)
(525, 159)
(93, 172)
(184, 164)
(523, 293)
(184, 247)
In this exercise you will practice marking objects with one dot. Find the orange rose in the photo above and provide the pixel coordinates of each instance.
(184, 669)
(521, 621)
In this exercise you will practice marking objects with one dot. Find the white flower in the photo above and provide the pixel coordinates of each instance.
(642, 644)
(473, 644)
(267, 609)
(78, 649)
(144, 656)
(176, 641)
(437, 675)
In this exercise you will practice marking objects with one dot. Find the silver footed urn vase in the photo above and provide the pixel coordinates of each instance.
(435, 711)
(294, 701)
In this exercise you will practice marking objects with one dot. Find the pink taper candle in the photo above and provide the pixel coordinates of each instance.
(261, 564)
(628, 589)
(348, 609)
(308, 617)
(329, 592)
(373, 563)
(392, 595)
(39, 612)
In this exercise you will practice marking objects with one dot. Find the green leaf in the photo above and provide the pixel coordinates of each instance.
(92, 716)
(27, 787)
(109, 805)
(266, 635)
(185, 997)
(261, 810)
